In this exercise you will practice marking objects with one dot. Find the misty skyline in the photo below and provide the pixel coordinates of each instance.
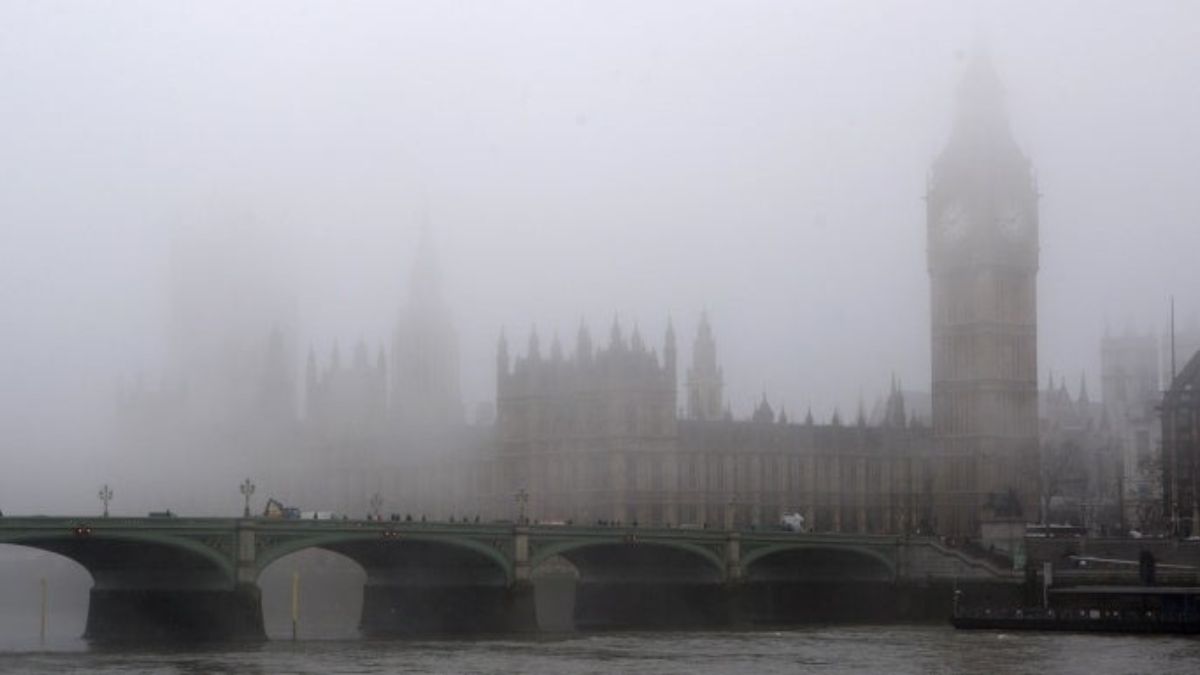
(763, 161)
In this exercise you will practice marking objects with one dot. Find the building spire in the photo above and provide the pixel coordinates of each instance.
(425, 282)
(535, 350)
(556, 351)
(615, 339)
(635, 340)
(583, 343)
(502, 353)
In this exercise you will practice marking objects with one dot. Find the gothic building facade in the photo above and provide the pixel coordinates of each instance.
(1130, 392)
(595, 437)
(598, 435)
(356, 424)
(1181, 450)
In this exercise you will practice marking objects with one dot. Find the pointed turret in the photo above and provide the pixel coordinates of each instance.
(981, 119)
(670, 356)
(360, 354)
(310, 385)
(894, 415)
(763, 414)
(808, 417)
(534, 353)
(424, 373)
(704, 377)
(556, 352)
(425, 284)
(502, 361)
(310, 370)
(615, 340)
(583, 344)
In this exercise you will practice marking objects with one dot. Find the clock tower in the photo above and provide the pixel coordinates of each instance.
(982, 225)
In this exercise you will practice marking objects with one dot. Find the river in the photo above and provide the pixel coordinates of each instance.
(826, 649)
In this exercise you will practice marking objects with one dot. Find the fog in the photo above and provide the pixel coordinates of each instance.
(763, 161)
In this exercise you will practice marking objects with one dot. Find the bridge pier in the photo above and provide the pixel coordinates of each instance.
(403, 610)
(158, 614)
(736, 608)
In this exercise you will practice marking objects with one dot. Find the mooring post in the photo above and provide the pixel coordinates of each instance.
(44, 608)
(295, 603)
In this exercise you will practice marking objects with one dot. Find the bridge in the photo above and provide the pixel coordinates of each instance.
(197, 577)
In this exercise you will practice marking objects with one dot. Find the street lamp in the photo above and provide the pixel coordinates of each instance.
(247, 490)
(522, 498)
(106, 495)
(377, 506)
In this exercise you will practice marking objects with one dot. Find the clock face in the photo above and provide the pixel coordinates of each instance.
(952, 223)
(1012, 221)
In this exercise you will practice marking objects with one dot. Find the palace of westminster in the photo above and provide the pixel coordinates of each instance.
(617, 430)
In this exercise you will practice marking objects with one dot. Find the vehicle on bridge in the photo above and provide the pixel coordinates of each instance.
(275, 509)
(792, 522)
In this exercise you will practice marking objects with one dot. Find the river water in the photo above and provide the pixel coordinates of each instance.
(828, 649)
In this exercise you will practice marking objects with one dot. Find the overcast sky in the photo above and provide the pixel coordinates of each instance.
(763, 160)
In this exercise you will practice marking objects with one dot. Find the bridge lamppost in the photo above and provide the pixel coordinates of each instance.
(105, 495)
(247, 488)
(377, 506)
(522, 498)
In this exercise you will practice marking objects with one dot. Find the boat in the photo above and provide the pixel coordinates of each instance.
(1094, 609)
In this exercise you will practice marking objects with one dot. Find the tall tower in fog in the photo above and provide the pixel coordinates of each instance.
(704, 380)
(424, 376)
(982, 224)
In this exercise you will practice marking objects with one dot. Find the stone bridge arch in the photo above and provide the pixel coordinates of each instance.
(634, 580)
(818, 561)
(797, 581)
(417, 582)
(364, 547)
(160, 580)
(67, 587)
(138, 560)
(315, 593)
(672, 555)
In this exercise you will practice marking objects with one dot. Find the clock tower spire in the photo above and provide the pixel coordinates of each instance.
(982, 229)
